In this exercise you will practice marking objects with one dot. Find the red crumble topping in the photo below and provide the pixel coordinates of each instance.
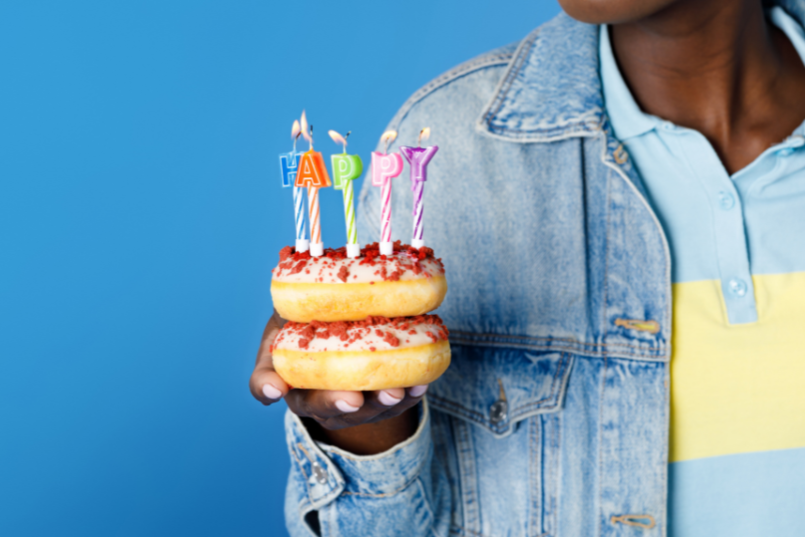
(339, 330)
(390, 268)
(352, 331)
(391, 339)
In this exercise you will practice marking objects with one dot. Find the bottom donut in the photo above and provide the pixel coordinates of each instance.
(374, 354)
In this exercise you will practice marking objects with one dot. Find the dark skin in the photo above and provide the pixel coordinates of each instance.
(716, 66)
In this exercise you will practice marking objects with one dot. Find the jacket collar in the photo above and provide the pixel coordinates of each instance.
(552, 88)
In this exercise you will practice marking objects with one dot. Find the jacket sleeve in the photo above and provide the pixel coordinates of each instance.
(333, 493)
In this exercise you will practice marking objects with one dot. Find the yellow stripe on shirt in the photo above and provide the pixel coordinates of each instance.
(738, 388)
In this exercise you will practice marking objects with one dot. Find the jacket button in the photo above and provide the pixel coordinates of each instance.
(498, 411)
(319, 473)
(620, 155)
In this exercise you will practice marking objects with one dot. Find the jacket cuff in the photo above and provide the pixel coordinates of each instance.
(329, 471)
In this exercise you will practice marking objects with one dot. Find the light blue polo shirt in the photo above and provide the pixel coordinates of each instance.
(737, 436)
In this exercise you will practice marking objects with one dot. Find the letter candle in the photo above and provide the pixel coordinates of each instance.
(312, 173)
(418, 158)
(384, 168)
(289, 164)
(347, 168)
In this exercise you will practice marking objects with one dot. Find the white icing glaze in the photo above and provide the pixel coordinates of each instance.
(289, 339)
(326, 270)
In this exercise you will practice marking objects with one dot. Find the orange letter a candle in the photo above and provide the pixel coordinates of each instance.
(312, 173)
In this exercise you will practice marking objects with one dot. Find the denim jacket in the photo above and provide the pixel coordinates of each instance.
(553, 417)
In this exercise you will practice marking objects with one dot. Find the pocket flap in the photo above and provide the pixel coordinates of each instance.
(497, 387)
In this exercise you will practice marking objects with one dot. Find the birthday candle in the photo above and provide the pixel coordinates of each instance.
(418, 159)
(384, 168)
(289, 164)
(347, 168)
(312, 174)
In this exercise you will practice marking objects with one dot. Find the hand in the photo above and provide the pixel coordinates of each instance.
(360, 422)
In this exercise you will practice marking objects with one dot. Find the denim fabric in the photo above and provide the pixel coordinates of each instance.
(553, 418)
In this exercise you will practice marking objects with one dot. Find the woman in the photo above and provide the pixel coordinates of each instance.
(618, 207)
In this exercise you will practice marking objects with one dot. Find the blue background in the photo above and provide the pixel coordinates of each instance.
(140, 215)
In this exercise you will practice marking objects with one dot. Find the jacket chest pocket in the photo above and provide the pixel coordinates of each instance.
(504, 427)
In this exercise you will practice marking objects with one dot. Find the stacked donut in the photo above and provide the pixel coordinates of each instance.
(360, 323)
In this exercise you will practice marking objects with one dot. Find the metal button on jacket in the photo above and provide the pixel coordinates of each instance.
(319, 473)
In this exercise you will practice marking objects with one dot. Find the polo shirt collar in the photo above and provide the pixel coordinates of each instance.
(627, 119)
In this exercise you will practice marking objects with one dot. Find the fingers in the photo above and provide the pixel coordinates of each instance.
(389, 398)
(322, 405)
(265, 384)
(340, 409)
(418, 391)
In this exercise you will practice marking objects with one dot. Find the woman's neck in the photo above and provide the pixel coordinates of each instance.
(718, 67)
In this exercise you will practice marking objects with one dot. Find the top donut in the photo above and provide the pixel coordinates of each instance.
(334, 287)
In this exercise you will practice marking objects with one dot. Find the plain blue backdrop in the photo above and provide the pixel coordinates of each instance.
(140, 215)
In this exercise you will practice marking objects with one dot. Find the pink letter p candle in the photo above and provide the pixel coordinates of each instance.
(385, 167)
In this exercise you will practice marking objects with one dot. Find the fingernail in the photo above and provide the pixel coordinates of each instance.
(343, 406)
(416, 391)
(271, 392)
(387, 399)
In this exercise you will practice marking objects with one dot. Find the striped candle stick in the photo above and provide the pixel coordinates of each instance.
(419, 190)
(315, 220)
(385, 213)
(418, 159)
(299, 214)
(349, 214)
(347, 168)
(385, 167)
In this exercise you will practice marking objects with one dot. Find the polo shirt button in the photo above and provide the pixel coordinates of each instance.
(785, 152)
(737, 287)
(726, 201)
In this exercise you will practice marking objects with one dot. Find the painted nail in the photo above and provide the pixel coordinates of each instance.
(387, 399)
(345, 407)
(416, 391)
(271, 392)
